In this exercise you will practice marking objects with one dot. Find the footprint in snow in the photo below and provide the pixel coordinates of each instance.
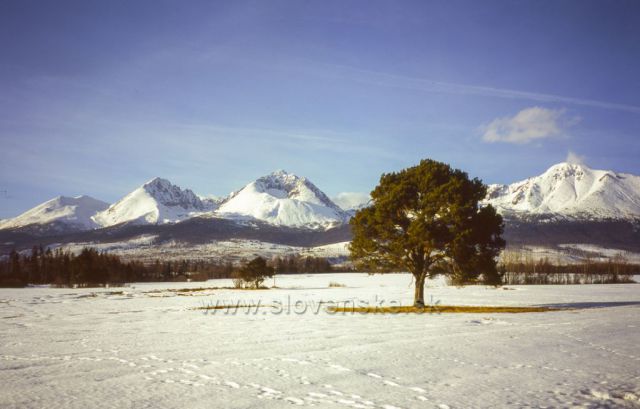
(346, 401)
(295, 401)
(270, 391)
(191, 383)
(481, 322)
(600, 395)
(340, 368)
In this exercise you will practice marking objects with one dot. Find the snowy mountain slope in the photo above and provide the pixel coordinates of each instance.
(283, 199)
(71, 212)
(211, 202)
(156, 202)
(571, 190)
(148, 248)
(191, 233)
(352, 201)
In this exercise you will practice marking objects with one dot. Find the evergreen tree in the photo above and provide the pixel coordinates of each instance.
(427, 220)
(255, 272)
(15, 267)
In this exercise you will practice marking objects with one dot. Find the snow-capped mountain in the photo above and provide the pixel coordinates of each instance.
(73, 213)
(352, 201)
(156, 202)
(573, 191)
(283, 199)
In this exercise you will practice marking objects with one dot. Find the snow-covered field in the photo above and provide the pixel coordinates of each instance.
(149, 347)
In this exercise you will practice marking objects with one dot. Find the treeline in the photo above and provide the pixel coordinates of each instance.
(64, 268)
(297, 264)
(518, 269)
(93, 268)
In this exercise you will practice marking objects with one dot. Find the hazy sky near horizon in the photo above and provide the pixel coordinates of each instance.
(98, 97)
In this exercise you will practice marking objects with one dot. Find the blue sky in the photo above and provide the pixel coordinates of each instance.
(98, 97)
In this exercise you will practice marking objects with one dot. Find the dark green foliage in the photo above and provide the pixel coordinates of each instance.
(495, 278)
(296, 264)
(92, 268)
(13, 272)
(255, 271)
(427, 220)
(63, 268)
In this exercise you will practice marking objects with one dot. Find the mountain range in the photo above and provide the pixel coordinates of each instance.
(571, 191)
(68, 213)
(568, 204)
(156, 202)
(279, 199)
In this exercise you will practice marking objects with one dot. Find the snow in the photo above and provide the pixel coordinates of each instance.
(603, 253)
(134, 244)
(352, 200)
(571, 253)
(145, 248)
(283, 199)
(156, 202)
(573, 190)
(148, 347)
(74, 212)
(340, 249)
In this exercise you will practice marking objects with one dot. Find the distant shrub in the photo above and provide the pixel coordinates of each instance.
(238, 282)
(334, 284)
(253, 273)
(495, 277)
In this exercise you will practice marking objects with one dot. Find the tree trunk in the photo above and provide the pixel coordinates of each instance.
(418, 299)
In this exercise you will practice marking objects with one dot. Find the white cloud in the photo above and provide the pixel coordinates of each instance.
(351, 200)
(574, 158)
(528, 125)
